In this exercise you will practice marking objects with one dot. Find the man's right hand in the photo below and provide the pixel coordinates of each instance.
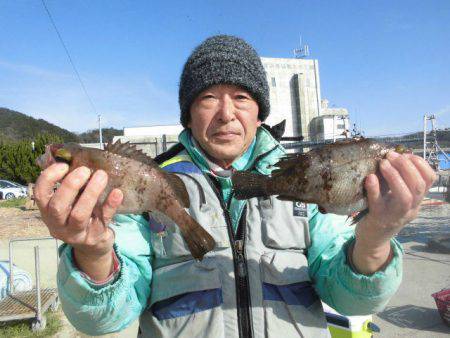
(73, 215)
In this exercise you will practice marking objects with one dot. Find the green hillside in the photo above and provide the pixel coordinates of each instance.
(15, 126)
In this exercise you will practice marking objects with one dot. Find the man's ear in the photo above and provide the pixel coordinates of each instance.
(258, 123)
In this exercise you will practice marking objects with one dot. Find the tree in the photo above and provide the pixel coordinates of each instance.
(18, 159)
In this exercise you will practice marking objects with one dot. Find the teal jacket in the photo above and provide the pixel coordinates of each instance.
(100, 309)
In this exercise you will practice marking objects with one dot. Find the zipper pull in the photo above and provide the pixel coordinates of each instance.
(239, 246)
(241, 267)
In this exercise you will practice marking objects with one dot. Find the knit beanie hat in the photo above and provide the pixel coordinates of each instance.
(223, 59)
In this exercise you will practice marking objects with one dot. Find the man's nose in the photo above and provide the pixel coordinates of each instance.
(226, 111)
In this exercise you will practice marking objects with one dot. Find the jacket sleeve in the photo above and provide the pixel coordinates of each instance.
(97, 310)
(336, 283)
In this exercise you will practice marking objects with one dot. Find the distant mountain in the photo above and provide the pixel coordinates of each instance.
(16, 126)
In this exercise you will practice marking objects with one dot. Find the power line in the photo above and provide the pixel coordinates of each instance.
(69, 57)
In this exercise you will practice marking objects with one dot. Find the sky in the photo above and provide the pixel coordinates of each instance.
(387, 62)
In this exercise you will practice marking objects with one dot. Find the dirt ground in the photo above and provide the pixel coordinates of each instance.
(15, 222)
(22, 223)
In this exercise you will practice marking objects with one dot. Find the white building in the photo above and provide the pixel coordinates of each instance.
(332, 124)
(294, 93)
(172, 129)
(152, 140)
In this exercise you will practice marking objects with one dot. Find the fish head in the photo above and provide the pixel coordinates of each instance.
(58, 152)
(382, 149)
(401, 149)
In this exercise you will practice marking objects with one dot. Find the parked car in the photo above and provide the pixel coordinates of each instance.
(9, 190)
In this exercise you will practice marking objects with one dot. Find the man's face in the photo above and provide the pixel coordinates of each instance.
(223, 120)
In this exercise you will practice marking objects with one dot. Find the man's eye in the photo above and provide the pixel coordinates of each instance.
(207, 96)
(242, 97)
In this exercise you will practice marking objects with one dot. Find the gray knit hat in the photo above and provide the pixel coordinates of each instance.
(223, 59)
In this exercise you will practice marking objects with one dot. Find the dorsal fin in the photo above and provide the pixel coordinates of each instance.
(129, 151)
(288, 162)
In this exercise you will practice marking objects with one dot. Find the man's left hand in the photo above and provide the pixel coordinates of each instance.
(409, 178)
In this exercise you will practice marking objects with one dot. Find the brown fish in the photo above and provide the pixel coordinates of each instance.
(331, 176)
(144, 185)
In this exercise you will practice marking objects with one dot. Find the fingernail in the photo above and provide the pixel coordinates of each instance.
(370, 180)
(117, 196)
(84, 172)
(393, 154)
(385, 164)
(62, 167)
(100, 175)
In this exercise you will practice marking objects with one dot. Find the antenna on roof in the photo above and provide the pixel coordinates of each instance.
(301, 52)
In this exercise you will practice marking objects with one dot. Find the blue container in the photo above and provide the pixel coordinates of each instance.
(444, 164)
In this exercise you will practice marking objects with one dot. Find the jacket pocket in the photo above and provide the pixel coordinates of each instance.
(284, 224)
(290, 302)
(186, 301)
(168, 242)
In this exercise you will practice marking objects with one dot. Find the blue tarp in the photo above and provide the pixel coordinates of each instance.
(21, 279)
(444, 164)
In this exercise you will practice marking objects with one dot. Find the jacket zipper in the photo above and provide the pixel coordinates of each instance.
(240, 266)
(242, 283)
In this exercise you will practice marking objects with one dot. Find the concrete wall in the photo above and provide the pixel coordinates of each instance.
(151, 145)
(173, 129)
(294, 93)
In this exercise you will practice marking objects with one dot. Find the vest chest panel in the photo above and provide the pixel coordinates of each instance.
(198, 299)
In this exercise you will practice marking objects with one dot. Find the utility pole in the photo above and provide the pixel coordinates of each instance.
(100, 132)
(334, 126)
(425, 137)
(434, 148)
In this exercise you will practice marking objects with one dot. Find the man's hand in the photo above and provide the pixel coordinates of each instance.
(409, 178)
(72, 214)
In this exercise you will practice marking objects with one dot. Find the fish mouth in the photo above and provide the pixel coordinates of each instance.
(48, 158)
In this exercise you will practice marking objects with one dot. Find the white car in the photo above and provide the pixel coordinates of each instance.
(9, 190)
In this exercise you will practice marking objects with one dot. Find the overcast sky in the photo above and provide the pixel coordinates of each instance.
(387, 62)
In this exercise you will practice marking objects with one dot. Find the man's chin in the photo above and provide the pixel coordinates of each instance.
(225, 154)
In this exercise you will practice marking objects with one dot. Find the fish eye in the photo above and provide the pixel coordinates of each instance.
(63, 155)
(401, 149)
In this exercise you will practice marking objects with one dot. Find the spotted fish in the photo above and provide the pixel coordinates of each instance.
(331, 176)
(144, 185)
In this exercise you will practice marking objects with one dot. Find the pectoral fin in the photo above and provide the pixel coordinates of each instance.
(179, 189)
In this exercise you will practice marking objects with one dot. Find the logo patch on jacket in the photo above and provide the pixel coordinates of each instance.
(300, 209)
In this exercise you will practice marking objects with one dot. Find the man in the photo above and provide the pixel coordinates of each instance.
(273, 259)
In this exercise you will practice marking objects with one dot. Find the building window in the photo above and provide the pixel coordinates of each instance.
(274, 84)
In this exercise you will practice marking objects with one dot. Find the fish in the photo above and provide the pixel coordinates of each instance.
(331, 176)
(145, 186)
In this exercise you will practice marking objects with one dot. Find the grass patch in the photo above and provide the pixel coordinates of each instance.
(22, 329)
(13, 203)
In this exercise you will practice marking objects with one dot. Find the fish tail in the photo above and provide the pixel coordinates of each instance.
(247, 185)
(198, 240)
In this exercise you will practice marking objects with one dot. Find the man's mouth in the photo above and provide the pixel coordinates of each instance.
(225, 133)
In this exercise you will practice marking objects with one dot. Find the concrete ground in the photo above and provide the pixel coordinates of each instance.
(411, 312)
